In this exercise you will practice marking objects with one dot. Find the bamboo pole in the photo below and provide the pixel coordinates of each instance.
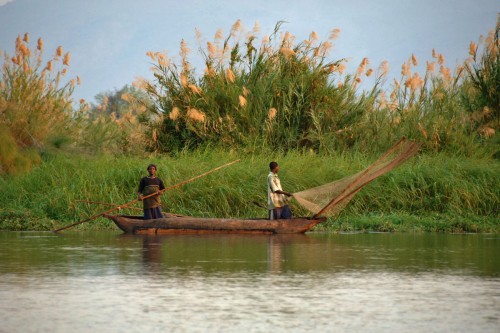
(145, 197)
(106, 204)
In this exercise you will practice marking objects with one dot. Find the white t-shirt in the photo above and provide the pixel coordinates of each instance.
(274, 200)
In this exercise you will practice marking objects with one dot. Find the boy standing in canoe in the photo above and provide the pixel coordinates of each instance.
(278, 209)
(149, 185)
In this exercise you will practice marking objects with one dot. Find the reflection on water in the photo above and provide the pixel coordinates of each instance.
(109, 282)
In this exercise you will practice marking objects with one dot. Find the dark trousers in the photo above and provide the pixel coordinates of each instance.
(280, 213)
(153, 213)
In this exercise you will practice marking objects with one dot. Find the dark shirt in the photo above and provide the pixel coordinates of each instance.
(147, 181)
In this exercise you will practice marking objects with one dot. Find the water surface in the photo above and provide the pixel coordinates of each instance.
(107, 282)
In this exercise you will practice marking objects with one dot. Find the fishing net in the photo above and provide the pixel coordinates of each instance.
(329, 199)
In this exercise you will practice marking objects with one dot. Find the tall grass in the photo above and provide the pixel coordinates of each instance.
(277, 92)
(425, 190)
(35, 105)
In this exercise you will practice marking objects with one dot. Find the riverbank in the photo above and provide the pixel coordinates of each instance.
(436, 193)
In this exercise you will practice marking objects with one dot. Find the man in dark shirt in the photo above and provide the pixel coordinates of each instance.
(149, 185)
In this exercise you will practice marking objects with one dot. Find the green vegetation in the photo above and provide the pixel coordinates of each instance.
(428, 193)
(259, 98)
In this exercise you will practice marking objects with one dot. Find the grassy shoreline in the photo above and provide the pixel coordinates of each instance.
(429, 193)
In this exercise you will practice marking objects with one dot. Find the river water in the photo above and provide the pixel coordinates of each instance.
(107, 282)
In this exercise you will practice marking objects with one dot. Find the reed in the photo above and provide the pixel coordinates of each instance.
(274, 91)
(428, 193)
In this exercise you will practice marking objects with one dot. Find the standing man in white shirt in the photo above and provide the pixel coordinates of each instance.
(276, 200)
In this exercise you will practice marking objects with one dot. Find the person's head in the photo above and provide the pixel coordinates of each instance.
(274, 167)
(152, 169)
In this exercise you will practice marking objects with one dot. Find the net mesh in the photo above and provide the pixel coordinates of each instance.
(329, 199)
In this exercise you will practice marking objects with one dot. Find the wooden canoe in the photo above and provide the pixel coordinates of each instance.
(187, 224)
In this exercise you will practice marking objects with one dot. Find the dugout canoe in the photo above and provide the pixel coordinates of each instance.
(173, 224)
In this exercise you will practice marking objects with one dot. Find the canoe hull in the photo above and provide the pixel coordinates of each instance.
(188, 225)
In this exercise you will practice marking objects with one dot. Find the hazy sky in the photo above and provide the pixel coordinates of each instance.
(108, 39)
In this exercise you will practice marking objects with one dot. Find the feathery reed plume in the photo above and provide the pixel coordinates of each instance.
(212, 50)
(26, 37)
(358, 80)
(369, 72)
(66, 59)
(199, 36)
(287, 52)
(472, 49)
(82, 101)
(414, 60)
(431, 67)
(184, 49)
(184, 80)
(265, 39)
(64, 71)
(271, 114)
(195, 89)
(256, 27)
(174, 114)
(440, 59)
(78, 80)
(59, 51)
(382, 100)
(219, 35)
(40, 44)
(49, 66)
(434, 54)
(340, 84)
(243, 101)
(72, 83)
(405, 69)
(416, 82)
(313, 36)
(384, 67)
(236, 27)
(246, 92)
(151, 55)
(196, 115)
(334, 34)
(229, 75)
(341, 68)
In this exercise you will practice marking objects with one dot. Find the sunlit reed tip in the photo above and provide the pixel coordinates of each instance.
(196, 115)
(78, 80)
(219, 35)
(472, 49)
(26, 37)
(243, 101)
(431, 66)
(313, 36)
(236, 27)
(49, 66)
(440, 59)
(334, 34)
(184, 80)
(434, 54)
(40, 44)
(256, 27)
(194, 89)
(59, 51)
(414, 60)
(272, 113)
(369, 72)
(66, 59)
(174, 114)
(229, 75)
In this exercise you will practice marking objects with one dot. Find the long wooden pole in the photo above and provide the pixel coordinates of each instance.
(145, 197)
(105, 204)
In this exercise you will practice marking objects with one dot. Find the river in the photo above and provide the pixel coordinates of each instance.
(371, 282)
